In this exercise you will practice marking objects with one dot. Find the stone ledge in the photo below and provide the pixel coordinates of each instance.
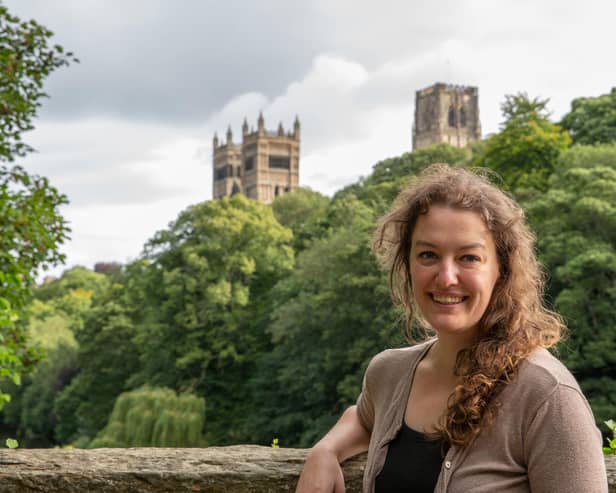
(234, 469)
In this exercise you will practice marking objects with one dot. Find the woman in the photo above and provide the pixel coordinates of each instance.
(483, 406)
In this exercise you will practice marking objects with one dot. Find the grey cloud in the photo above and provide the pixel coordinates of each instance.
(160, 60)
(374, 32)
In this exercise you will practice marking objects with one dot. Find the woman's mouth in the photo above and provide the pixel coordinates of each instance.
(447, 299)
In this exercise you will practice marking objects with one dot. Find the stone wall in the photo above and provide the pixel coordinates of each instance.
(236, 469)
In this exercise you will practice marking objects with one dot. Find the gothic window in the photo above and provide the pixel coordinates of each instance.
(249, 163)
(221, 173)
(277, 191)
(462, 117)
(280, 162)
(451, 117)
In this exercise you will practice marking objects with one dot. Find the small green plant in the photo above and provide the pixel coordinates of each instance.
(12, 443)
(275, 443)
(611, 450)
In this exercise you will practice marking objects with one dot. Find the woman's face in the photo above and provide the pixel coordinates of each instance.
(454, 268)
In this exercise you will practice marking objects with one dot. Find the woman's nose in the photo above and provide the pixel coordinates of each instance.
(447, 274)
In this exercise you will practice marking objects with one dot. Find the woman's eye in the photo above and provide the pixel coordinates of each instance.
(426, 255)
(470, 258)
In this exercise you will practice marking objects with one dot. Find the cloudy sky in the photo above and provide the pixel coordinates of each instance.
(127, 133)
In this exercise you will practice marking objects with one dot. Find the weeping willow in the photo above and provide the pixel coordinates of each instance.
(154, 417)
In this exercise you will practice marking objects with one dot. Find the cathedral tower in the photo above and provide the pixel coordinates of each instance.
(446, 114)
(264, 166)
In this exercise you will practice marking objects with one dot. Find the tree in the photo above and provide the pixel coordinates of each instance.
(328, 318)
(592, 120)
(302, 211)
(32, 228)
(576, 224)
(588, 156)
(26, 59)
(37, 419)
(106, 358)
(73, 281)
(51, 324)
(203, 289)
(154, 417)
(526, 149)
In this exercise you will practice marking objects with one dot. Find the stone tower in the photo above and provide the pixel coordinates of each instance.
(264, 166)
(446, 114)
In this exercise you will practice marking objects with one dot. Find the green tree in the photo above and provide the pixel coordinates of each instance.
(592, 120)
(76, 279)
(32, 228)
(154, 417)
(37, 420)
(203, 288)
(576, 225)
(302, 211)
(52, 325)
(526, 149)
(588, 156)
(106, 358)
(328, 318)
(26, 59)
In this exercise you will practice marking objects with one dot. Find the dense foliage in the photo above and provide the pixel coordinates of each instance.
(31, 226)
(592, 120)
(576, 225)
(525, 151)
(243, 322)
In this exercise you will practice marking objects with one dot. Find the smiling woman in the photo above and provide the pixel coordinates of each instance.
(482, 406)
(454, 268)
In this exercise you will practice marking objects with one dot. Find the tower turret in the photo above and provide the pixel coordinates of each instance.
(215, 141)
(261, 124)
(244, 127)
(280, 130)
(229, 135)
(296, 127)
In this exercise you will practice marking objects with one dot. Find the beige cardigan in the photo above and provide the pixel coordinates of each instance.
(544, 439)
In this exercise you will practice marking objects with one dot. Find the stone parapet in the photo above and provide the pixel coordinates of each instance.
(234, 469)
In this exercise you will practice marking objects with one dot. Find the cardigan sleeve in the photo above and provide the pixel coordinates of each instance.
(365, 404)
(563, 446)
(372, 387)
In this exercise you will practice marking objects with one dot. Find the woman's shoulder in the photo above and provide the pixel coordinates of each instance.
(542, 377)
(546, 371)
(392, 361)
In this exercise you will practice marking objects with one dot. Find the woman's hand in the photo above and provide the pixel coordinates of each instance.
(322, 473)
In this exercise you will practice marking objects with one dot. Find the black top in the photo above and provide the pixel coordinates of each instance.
(412, 465)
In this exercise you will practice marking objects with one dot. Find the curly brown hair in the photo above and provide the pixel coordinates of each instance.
(516, 320)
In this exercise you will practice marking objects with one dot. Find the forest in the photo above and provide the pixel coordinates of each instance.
(248, 323)
(243, 322)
